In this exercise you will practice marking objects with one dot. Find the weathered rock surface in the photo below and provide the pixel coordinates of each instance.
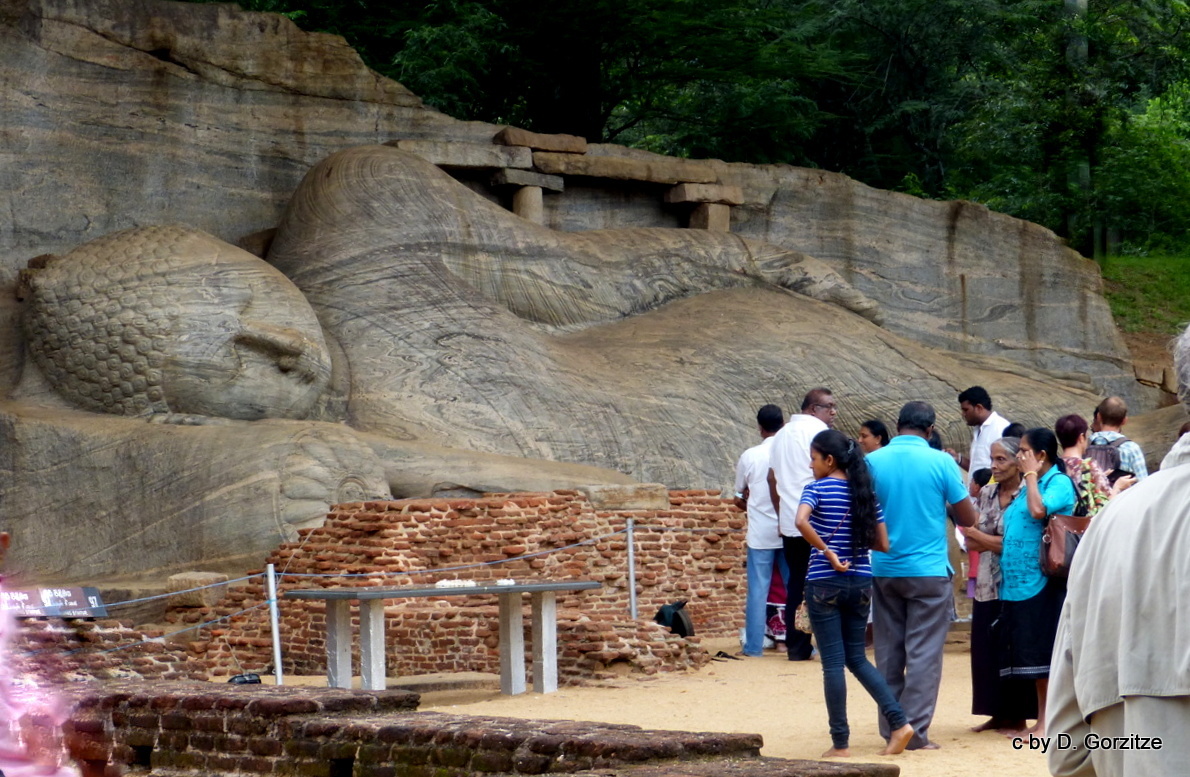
(461, 338)
(89, 496)
(118, 114)
(593, 347)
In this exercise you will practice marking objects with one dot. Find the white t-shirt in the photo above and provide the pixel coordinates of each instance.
(752, 471)
(982, 437)
(790, 462)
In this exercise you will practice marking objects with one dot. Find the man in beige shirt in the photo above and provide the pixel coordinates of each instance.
(1119, 691)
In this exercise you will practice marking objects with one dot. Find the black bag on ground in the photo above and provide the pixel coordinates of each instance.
(675, 618)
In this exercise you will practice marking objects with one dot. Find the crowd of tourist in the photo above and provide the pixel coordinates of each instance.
(862, 528)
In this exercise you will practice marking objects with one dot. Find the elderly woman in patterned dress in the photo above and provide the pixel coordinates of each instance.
(1009, 702)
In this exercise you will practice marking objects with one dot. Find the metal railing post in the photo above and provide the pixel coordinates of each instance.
(275, 622)
(632, 568)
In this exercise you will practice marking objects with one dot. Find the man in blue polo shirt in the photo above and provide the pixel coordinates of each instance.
(911, 585)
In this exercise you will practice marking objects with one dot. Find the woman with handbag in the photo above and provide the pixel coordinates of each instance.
(1030, 601)
(841, 519)
(1010, 701)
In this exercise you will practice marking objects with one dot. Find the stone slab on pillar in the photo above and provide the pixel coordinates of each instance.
(706, 192)
(566, 144)
(514, 177)
(653, 169)
(711, 216)
(528, 204)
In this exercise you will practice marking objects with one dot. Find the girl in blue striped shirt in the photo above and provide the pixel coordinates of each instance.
(840, 518)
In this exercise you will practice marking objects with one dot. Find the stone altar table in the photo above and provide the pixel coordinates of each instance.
(544, 622)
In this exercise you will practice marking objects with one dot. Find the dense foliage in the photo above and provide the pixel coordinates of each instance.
(1072, 113)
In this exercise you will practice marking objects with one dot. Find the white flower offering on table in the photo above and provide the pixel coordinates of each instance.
(455, 584)
(506, 581)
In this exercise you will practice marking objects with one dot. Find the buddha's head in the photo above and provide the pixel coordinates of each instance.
(172, 320)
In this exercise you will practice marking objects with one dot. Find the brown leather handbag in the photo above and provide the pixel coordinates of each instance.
(1059, 541)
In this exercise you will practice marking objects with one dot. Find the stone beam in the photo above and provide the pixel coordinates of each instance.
(470, 155)
(659, 170)
(566, 144)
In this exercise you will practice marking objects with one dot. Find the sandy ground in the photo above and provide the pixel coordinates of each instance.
(779, 699)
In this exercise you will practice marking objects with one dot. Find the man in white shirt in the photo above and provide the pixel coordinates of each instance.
(789, 472)
(975, 405)
(762, 538)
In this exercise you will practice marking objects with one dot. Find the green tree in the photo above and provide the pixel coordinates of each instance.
(1143, 182)
(1057, 111)
(1055, 102)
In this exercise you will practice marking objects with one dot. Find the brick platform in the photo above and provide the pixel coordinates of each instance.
(202, 728)
(692, 550)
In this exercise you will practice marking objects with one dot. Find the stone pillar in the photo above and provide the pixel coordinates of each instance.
(527, 203)
(712, 204)
(712, 216)
(528, 200)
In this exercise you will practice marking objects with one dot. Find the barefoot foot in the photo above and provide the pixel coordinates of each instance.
(899, 740)
(837, 752)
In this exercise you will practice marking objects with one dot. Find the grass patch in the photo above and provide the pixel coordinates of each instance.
(1149, 293)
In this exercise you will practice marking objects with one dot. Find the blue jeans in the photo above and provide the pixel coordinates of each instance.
(838, 610)
(760, 577)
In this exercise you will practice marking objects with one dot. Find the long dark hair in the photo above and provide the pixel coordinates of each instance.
(1042, 439)
(849, 457)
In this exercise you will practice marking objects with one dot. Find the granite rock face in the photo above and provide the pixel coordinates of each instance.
(427, 340)
(645, 351)
(117, 114)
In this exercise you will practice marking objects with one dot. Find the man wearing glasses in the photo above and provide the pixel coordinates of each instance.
(789, 472)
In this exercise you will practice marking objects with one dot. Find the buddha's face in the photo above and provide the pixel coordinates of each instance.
(171, 320)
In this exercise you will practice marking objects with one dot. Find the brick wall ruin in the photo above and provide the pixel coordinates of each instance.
(203, 729)
(65, 650)
(691, 547)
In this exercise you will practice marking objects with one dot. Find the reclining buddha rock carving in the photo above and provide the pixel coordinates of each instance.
(377, 200)
(466, 349)
(454, 313)
(170, 320)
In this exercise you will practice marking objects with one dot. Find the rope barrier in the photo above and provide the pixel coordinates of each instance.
(175, 593)
(381, 573)
(160, 639)
(163, 637)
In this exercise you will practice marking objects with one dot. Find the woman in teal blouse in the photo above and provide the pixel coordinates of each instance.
(1032, 602)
